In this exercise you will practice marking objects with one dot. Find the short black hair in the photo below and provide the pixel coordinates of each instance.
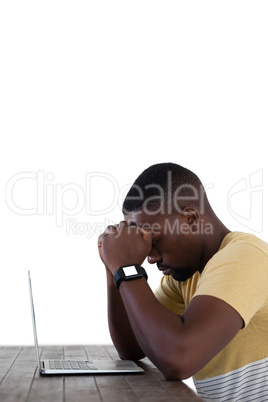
(156, 186)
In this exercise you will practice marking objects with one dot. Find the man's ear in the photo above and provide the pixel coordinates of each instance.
(191, 214)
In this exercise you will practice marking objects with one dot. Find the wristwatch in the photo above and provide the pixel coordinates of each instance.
(129, 273)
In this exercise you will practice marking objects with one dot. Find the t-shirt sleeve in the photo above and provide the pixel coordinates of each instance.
(238, 275)
(170, 296)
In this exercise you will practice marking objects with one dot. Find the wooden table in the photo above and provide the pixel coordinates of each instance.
(20, 381)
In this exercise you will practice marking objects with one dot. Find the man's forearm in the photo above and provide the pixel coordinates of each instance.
(120, 329)
(158, 330)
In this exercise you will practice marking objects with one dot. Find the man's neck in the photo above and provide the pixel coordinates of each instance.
(213, 241)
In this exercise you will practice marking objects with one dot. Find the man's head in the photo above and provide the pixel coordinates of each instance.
(166, 188)
(170, 201)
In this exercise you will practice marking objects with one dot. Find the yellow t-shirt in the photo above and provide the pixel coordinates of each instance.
(237, 274)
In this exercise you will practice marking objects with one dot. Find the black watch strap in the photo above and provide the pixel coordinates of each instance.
(129, 273)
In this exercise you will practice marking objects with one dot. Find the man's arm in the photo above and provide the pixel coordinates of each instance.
(120, 329)
(178, 346)
(119, 326)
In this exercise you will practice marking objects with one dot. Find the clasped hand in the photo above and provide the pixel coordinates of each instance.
(121, 245)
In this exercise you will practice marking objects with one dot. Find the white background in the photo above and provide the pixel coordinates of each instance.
(96, 91)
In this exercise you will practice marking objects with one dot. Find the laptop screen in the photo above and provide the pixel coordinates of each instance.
(34, 322)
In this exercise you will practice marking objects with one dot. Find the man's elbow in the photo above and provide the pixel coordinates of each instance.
(180, 369)
(131, 356)
(175, 374)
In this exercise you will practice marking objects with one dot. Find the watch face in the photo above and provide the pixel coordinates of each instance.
(131, 270)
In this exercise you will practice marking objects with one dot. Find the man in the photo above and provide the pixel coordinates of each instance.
(209, 316)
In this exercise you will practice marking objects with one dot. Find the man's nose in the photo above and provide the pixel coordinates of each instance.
(154, 256)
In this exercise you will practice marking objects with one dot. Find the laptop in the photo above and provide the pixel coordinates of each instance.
(62, 367)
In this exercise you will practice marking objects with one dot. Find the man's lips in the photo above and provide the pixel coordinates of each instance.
(165, 270)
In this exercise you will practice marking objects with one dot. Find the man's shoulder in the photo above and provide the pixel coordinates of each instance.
(237, 239)
(240, 254)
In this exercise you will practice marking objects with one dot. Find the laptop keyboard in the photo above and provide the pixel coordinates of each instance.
(71, 365)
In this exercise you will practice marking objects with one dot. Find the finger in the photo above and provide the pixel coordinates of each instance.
(122, 224)
(146, 234)
(121, 228)
(110, 229)
(100, 239)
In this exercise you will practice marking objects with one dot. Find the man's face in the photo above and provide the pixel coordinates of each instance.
(176, 249)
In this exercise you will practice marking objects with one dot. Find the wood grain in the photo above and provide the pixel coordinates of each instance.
(20, 381)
